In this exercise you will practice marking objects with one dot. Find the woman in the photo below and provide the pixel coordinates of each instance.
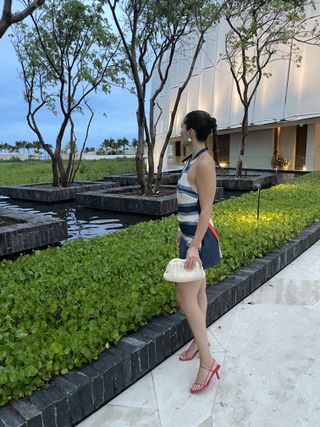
(197, 238)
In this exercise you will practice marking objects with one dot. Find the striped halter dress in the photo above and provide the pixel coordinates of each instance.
(188, 216)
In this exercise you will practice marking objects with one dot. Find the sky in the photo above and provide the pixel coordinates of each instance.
(120, 107)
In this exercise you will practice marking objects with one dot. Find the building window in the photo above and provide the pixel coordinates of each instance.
(276, 140)
(178, 148)
(301, 146)
(223, 148)
(176, 152)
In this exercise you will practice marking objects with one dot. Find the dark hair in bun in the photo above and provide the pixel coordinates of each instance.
(203, 124)
(213, 124)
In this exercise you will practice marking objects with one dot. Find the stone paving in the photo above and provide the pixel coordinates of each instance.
(269, 350)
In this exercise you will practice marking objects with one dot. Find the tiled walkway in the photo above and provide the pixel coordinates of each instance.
(269, 350)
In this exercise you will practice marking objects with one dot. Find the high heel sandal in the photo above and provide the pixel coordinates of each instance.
(184, 357)
(206, 383)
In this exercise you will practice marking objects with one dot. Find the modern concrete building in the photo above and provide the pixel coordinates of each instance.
(284, 114)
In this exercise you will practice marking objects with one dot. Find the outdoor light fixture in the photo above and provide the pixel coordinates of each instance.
(258, 186)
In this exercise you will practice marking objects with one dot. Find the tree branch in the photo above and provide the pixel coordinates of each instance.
(8, 18)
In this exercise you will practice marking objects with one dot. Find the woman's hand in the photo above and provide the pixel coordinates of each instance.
(192, 256)
(178, 238)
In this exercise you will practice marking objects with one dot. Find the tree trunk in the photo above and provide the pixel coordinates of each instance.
(62, 172)
(139, 153)
(55, 173)
(150, 167)
(244, 135)
(71, 158)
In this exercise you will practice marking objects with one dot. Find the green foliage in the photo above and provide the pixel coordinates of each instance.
(278, 161)
(66, 54)
(259, 31)
(61, 307)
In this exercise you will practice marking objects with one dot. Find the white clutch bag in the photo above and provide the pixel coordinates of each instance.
(175, 271)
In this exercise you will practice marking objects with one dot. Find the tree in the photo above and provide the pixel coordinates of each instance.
(89, 149)
(123, 143)
(8, 18)
(105, 145)
(66, 55)
(151, 32)
(261, 32)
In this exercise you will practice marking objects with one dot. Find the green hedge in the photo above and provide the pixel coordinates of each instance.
(61, 307)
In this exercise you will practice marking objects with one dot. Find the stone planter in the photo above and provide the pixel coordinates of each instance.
(113, 200)
(28, 231)
(44, 192)
(227, 181)
(68, 399)
(246, 183)
(168, 178)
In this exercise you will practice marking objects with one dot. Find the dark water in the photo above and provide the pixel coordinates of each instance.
(84, 222)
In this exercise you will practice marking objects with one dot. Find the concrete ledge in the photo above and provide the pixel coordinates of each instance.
(247, 183)
(168, 178)
(68, 399)
(31, 231)
(44, 192)
(112, 200)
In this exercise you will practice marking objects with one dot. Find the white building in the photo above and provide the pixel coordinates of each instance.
(284, 114)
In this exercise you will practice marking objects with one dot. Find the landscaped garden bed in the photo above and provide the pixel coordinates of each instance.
(121, 199)
(246, 183)
(5, 221)
(45, 192)
(23, 231)
(130, 199)
(65, 305)
(228, 181)
(168, 178)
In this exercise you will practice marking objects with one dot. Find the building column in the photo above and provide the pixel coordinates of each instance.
(316, 161)
(310, 151)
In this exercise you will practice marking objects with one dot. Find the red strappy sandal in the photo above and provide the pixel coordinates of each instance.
(184, 357)
(206, 383)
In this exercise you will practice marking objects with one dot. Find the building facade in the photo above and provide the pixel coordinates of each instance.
(284, 115)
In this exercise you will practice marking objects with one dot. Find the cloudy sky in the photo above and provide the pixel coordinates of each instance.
(120, 107)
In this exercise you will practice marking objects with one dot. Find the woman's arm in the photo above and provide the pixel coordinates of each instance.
(205, 178)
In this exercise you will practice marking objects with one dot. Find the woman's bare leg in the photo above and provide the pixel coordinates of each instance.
(202, 297)
(187, 297)
(203, 303)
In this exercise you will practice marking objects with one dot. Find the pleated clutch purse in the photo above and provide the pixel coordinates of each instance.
(175, 271)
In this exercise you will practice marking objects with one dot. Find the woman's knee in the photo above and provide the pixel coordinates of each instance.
(186, 293)
(180, 295)
(203, 285)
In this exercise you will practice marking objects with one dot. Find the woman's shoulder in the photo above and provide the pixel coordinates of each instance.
(206, 161)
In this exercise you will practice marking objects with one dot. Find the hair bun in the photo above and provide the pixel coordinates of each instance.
(213, 123)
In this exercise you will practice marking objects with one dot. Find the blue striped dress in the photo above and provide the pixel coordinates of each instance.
(188, 216)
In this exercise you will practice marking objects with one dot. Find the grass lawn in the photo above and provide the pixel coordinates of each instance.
(33, 171)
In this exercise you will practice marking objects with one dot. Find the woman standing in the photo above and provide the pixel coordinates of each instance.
(197, 237)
